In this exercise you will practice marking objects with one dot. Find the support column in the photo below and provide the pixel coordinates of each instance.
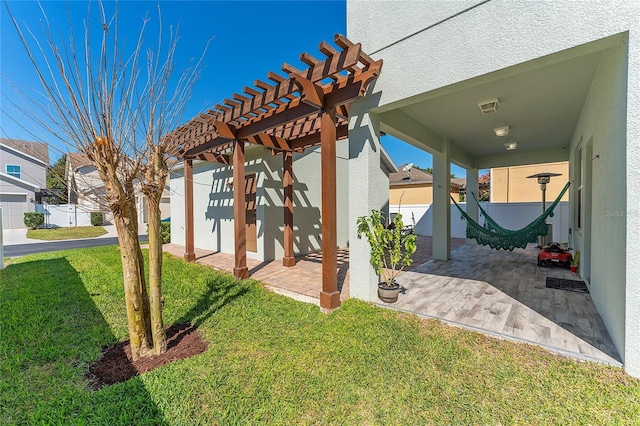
(189, 250)
(442, 202)
(472, 207)
(240, 270)
(287, 181)
(329, 296)
(368, 190)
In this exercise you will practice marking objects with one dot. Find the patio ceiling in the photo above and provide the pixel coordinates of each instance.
(540, 100)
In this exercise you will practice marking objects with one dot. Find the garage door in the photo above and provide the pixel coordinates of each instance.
(13, 209)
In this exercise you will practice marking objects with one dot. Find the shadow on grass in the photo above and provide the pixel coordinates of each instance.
(51, 332)
(220, 291)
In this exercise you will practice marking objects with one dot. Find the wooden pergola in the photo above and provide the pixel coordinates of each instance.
(289, 114)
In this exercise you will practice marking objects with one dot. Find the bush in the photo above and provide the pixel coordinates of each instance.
(33, 220)
(165, 230)
(96, 218)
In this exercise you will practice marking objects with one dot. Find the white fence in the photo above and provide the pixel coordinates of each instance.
(508, 215)
(64, 215)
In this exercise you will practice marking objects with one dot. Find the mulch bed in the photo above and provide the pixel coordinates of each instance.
(115, 365)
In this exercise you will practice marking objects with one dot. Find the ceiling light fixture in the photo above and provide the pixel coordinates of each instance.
(489, 106)
(501, 131)
(511, 145)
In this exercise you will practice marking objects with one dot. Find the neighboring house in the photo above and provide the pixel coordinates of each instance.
(414, 186)
(411, 194)
(86, 190)
(511, 185)
(84, 186)
(23, 174)
(562, 75)
(213, 202)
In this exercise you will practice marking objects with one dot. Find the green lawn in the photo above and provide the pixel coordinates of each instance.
(273, 360)
(66, 233)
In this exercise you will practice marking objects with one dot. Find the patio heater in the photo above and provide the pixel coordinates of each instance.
(543, 180)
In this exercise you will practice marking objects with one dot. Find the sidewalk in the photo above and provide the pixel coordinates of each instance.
(13, 237)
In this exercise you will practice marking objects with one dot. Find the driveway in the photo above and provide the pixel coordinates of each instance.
(15, 243)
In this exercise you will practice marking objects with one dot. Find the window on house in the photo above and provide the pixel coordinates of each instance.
(13, 170)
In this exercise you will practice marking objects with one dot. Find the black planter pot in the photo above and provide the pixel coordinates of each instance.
(388, 294)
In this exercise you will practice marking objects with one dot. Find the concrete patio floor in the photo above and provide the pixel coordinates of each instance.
(504, 294)
(498, 293)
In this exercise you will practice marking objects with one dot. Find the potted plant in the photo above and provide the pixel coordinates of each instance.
(391, 251)
(575, 261)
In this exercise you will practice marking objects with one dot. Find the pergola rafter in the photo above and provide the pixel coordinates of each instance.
(306, 108)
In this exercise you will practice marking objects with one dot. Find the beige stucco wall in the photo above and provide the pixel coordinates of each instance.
(414, 194)
(511, 185)
(411, 194)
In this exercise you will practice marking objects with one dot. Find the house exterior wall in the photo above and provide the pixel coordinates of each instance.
(416, 194)
(599, 170)
(510, 184)
(368, 190)
(31, 171)
(411, 194)
(213, 203)
(18, 197)
(429, 46)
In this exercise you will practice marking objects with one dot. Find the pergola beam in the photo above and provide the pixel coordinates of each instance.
(214, 158)
(345, 90)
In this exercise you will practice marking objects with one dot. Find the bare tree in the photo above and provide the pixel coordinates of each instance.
(117, 107)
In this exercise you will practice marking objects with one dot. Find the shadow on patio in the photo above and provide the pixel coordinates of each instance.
(504, 294)
(302, 281)
(305, 278)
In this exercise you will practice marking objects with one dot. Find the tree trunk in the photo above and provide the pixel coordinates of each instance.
(136, 299)
(155, 180)
(155, 276)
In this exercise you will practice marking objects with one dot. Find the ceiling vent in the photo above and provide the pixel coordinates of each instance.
(487, 107)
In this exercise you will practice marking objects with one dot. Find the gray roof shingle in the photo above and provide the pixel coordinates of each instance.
(38, 150)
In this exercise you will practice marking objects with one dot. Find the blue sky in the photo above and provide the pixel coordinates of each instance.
(248, 39)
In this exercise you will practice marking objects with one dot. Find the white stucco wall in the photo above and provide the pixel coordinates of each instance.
(213, 203)
(484, 41)
(632, 293)
(490, 37)
(368, 190)
(603, 125)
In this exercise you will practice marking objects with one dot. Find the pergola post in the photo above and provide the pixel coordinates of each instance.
(287, 181)
(240, 270)
(189, 250)
(329, 296)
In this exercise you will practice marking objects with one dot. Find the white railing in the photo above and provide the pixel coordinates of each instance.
(508, 215)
